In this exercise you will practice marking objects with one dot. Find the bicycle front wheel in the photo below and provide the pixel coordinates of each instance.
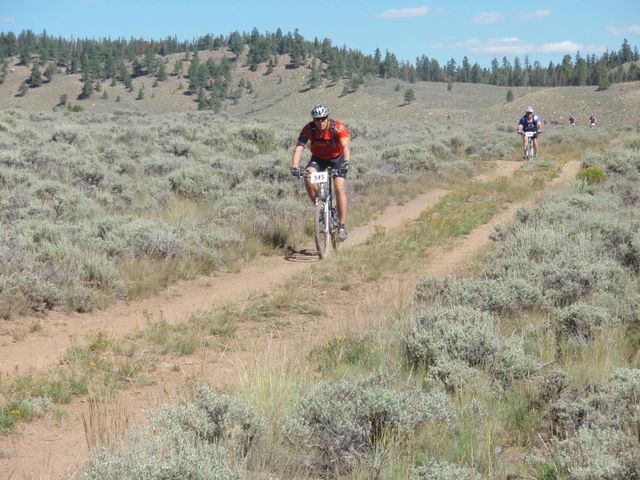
(322, 236)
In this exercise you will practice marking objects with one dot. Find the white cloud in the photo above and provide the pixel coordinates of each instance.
(560, 47)
(632, 29)
(535, 15)
(515, 46)
(404, 12)
(486, 18)
(472, 42)
(7, 20)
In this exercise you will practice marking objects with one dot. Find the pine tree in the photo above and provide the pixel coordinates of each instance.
(509, 96)
(105, 96)
(409, 96)
(269, 68)
(194, 76)
(36, 77)
(127, 80)
(604, 82)
(203, 104)
(162, 72)
(87, 87)
(177, 68)
(63, 100)
(140, 93)
(314, 78)
(3, 71)
(49, 72)
(23, 89)
(137, 68)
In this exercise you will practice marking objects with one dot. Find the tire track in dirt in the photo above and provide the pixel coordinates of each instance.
(178, 302)
(45, 449)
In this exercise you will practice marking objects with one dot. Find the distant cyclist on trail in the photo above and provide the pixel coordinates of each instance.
(572, 121)
(593, 121)
(529, 123)
(329, 148)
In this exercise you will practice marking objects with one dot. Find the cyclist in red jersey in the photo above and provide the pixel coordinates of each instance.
(329, 148)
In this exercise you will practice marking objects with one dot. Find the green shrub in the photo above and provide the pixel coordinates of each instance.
(153, 239)
(202, 440)
(435, 470)
(214, 418)
(610, 404)
(340, 350)
(195, 183)
(162, 456)
(591, 175)
(598, 454)
(506, 295)
(580, 321)
(452, 341)
(337, 426)
(261, 137)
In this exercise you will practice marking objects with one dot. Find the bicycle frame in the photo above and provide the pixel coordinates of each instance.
(325, 220)
(529, 151)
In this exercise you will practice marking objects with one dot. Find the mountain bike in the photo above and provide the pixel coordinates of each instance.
(326, 221)
(529, 151)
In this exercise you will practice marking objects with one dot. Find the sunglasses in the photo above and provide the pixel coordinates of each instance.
(321, 119)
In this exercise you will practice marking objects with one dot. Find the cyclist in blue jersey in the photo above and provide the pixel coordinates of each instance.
(529, 122)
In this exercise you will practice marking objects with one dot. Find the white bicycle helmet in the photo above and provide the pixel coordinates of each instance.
(320, 111)
(528, 110)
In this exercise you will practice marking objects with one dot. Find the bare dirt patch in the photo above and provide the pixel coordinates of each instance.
(51, 449)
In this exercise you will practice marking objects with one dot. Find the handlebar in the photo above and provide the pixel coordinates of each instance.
(331, 171)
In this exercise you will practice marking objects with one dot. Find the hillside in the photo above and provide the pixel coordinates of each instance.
(285, 93)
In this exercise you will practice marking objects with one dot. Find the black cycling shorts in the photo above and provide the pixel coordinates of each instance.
(322, 165)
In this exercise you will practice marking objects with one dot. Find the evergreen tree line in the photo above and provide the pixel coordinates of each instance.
(122, 60)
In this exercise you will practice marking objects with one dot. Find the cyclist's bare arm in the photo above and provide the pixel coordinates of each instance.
(297, 155)
(346, 149)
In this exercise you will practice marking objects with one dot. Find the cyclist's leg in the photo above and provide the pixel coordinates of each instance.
(341, 198)
(340, 184)
(535, 145)
(312, 189)
(524, 146)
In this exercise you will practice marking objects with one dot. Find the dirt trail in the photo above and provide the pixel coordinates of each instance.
(42, 449)
(63, 329)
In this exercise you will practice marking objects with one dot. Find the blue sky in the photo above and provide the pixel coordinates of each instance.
(545, 30)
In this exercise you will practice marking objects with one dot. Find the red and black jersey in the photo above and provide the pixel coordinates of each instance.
(325, 144)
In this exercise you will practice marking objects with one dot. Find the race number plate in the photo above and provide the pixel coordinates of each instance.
(319, 177)
(529, 134)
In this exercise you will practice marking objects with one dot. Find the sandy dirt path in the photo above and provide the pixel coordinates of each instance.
(42, 449)
(176, 304)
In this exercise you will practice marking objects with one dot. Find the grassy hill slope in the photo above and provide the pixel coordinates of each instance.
(285, 94)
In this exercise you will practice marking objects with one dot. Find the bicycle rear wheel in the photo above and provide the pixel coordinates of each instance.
(322, 235)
